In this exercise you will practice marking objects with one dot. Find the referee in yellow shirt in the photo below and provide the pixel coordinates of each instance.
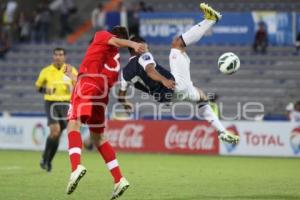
(57, 89)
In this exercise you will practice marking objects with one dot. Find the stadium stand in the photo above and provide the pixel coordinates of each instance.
(276, 75)
(226, 5)
(275, 83)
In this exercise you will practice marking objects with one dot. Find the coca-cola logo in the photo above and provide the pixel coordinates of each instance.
(199, 138)
(128, 136)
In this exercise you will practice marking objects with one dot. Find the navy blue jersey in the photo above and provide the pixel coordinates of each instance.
(134, 73)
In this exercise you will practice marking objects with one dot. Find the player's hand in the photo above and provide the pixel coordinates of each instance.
(170, 84)
(140, 48)
(50, 91)
(69, 73)
(68, 70)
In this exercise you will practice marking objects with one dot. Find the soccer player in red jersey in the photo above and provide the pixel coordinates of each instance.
(97, 74)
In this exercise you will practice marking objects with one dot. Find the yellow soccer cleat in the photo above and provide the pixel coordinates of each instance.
(210, 13)
(229, 137)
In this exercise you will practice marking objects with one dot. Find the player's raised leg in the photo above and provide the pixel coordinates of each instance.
(180, 68)
(75, 147)
(206, 112)
(178, 59)
(109, 156)
(194, 34)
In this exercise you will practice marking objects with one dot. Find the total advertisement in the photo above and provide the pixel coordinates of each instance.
(233, 28)
(264, 139)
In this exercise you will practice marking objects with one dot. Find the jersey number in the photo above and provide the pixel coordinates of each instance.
(117, 68)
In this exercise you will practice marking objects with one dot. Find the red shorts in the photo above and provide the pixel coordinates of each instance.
(88, 103)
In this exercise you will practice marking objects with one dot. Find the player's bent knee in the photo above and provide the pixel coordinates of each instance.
(200, 104)
(202, 96)
(54, 130)
(73, 125)
(55, 135)
(98, 139)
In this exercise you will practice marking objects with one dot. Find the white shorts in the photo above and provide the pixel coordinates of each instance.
(180, 69)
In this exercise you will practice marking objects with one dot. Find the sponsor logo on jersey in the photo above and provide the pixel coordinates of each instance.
(146, 57)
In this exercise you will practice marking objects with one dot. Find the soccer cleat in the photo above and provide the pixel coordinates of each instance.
(48, 167)
(210, 13)
(229, 137)
(120, 188)
(43, 164)
(75, 178)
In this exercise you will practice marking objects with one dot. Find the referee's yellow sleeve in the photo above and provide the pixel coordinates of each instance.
(41, 79)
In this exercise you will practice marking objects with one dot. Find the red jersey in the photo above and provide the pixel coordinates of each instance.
(102, 58)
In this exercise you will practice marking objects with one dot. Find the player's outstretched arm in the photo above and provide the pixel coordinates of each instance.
(155, 75)
(138, 47)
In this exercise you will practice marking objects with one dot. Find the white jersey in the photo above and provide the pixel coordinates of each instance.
(180, 69)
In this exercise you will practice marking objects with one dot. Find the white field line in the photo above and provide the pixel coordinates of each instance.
(10, 168)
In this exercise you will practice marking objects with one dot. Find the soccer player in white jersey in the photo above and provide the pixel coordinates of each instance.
(184, 90)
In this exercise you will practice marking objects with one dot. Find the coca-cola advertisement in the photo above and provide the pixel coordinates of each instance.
(192, 137)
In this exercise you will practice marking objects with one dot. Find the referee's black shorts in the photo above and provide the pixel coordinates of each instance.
(56, 112)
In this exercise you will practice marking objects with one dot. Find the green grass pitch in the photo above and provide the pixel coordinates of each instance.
(152, 177)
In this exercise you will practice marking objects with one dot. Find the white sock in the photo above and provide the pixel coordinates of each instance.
(194, 34)
(208, 114)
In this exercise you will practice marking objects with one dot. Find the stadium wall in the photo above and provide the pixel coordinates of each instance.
(184, 137)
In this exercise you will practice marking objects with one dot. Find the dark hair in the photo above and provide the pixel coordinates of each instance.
(60, 49)
(120, 32)
(137, 39)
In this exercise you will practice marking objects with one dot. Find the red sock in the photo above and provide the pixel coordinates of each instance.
(109, 156)
(75, 146)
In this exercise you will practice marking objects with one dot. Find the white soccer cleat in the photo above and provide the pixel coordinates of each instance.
(210, 13)
(120, 188)
(229, 137)
(75, 178)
